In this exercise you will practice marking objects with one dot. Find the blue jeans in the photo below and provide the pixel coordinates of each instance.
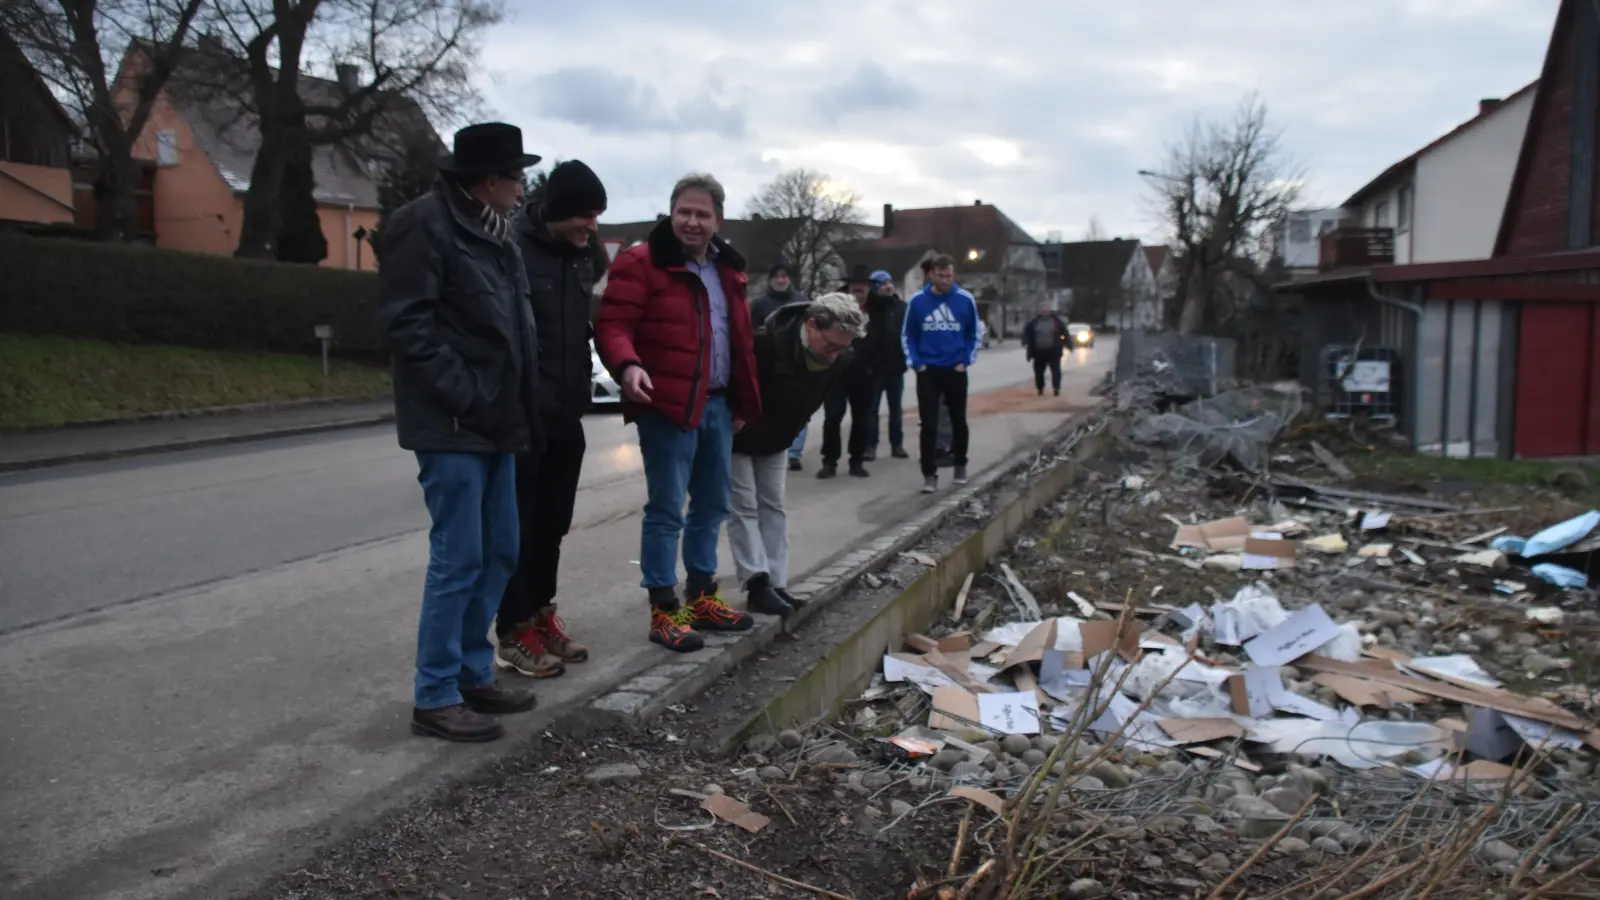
(798, 448)
(472, 550)
(694, 465)
(893, 387)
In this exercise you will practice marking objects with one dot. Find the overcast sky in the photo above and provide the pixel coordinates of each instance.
(1046, 108)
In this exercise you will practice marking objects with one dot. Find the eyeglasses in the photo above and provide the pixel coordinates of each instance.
(833, 348)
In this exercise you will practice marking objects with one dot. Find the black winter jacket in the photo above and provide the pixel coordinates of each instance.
(561, 279)
(766, 306)
(790, 392)
(454, 304)
(887, 317)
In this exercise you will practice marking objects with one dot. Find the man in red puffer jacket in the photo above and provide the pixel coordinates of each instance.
(674, 330)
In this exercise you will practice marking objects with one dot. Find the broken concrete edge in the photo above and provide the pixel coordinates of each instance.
(43, 462)
(845, 671)
(639, 702)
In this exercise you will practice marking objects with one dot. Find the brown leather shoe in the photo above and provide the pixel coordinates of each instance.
(554, 633)
(455, 723)
(493, 699)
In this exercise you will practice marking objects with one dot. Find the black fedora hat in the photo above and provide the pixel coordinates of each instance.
(486, 149)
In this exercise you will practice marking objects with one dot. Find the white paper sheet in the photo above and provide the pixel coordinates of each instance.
(1537, 733)
(1015, 712)
(1301, 633)
(1372, 521)
(1456, 665)
(925, 677)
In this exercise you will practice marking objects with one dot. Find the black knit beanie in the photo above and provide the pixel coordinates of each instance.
(780, 266)
(573, 190)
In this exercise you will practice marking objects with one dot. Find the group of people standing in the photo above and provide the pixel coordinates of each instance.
(486, 303)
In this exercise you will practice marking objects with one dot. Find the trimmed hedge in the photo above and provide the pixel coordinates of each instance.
(141, 295)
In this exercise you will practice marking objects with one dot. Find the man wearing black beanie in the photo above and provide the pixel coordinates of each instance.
(558, 240)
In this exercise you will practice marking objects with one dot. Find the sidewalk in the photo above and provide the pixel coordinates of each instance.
(58, 446)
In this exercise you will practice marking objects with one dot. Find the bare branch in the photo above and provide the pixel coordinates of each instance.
(823, 213)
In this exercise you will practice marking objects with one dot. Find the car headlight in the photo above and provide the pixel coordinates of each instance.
(1083, 337)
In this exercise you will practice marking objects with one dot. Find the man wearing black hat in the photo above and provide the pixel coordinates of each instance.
(557, 240)
(454, 303)
(780, 292)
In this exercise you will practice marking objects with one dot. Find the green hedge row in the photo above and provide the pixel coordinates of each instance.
(141, 295)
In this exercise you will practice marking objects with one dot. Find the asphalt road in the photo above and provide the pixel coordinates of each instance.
(205, 655)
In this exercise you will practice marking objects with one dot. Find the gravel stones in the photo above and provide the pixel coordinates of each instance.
(1499, 852)
(771, 773)
(1109, 775)
(1086, 889)
(1287, 800)
(1328, 845)
(1291, 846)
(1034, 758)
(946, 758)
(789, 739)
(967, 770)
(761, 743)
(1016, 744)
(613, 773)
(875, 781)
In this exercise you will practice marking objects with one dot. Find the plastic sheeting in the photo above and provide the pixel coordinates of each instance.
(1238, 425)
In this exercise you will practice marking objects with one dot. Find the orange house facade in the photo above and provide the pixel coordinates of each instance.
(35, 147)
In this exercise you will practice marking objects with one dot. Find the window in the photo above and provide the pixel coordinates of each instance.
(1403, 209)
(1299, 230)
(1380, 215)
(166, 148)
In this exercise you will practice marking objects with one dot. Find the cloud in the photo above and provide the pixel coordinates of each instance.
(869, 89)
(1047, 109)
(608, 102)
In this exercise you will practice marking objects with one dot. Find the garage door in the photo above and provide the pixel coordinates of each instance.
(1557, 381)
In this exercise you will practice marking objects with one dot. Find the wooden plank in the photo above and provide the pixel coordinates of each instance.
(1493, 698)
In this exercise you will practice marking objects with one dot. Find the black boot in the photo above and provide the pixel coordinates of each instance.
(761, 598)
(456, 723)
(828, 470)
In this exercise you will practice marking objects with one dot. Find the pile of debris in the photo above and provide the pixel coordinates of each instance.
(1209, 668)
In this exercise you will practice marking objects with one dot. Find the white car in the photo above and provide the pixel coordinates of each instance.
(602, 387)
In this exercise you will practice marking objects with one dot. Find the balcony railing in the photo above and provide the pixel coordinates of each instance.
(1352, 247)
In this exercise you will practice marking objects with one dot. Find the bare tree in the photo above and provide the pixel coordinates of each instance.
(1226, 182)
(383, 54)
(1095, 231)
(109, 59)
(822, 215)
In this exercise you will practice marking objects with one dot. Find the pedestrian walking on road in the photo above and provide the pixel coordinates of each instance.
(780, 293)
(887, 312)
(454, 304)
(802, 352)
(941, 341)
(556, 239)
(852, 393)
(1045, 337)
(674, 330)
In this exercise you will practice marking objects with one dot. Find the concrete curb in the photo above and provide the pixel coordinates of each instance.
(207, 412)
(645, 697)
(43, 462)
(845, 671)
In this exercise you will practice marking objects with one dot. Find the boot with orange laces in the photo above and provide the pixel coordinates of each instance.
(554, 632)
(669, 622)
(708, 612)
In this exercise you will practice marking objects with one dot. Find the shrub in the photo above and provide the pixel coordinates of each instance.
(141, 295)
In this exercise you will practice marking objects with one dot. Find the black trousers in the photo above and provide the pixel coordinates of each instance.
(947, 388)
(547, 492)
(1050, 361)
(854, 393)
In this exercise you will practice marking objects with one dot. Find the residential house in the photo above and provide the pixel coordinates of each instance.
(1498, 353)
(998, 262)
(1164, 268)
(1297, 242)
(36, 137)
(1111, 283)
(203, 144)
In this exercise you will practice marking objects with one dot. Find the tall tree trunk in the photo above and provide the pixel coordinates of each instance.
(281, 111)
(301, 239)
(116, 206)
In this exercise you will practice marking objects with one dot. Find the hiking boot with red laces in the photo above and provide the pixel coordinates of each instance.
(707, 612)
(554, 632)
(670, 628)
(526, 654)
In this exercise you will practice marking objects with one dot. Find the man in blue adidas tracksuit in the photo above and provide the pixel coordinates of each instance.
(941, 340)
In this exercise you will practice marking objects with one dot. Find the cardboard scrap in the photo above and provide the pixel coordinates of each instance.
(1213, 753)
(1376, 551)
(981, 797)
(1102, 635)
(1361, 692)
(1200, 731)
(954, 709)
(1268, 550)
(1494, 698)
(1032, 647)
(958, 643)
(735, 813)
(1217, 536)
(1328, 543)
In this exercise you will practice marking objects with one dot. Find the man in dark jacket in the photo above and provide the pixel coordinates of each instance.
(1045, 337)
(801, 353)
(888, 314)
(454, 303)
(780, 292)
(556, 240)
(674, 329)
(853, 393)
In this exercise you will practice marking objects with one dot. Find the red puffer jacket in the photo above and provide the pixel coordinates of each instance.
(655, 314)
